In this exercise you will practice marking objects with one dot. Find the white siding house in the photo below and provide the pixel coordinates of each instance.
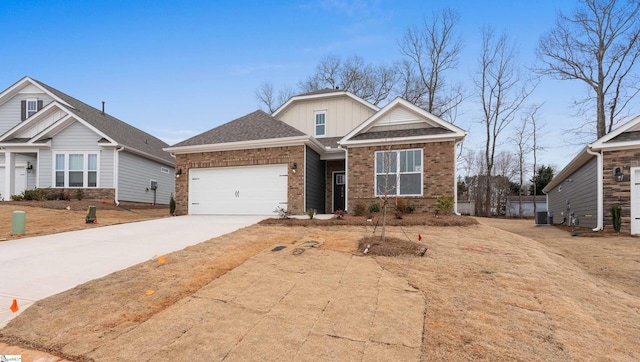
(51, 140)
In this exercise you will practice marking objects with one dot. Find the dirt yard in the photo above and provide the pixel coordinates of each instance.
(50, 217)
(499, 290)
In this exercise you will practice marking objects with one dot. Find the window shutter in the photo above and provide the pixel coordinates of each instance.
(23, 110)
(39, 104)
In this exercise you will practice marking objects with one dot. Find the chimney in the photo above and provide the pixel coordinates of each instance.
(102, 107)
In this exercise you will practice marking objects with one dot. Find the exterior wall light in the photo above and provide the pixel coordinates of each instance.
(294, 167)
(178, 173)
(618, 175)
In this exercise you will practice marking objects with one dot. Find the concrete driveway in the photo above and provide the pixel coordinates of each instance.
(38, 267)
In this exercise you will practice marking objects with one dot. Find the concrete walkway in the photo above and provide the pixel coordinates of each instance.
(37, 267)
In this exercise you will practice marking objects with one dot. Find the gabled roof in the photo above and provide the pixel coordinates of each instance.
(624, 137)
(322, 94)
(121, 132)
(124, 134)
(254, 126)
(420, 125)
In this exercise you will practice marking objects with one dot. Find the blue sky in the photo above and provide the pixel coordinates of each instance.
(178, 68)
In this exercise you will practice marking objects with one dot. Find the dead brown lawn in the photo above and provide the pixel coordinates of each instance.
(500, 290)
(50, 217)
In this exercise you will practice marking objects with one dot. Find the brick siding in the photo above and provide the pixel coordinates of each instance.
(250, 157)
(618, 192)
(438, 174)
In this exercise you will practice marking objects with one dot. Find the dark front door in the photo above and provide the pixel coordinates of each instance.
(338, 191)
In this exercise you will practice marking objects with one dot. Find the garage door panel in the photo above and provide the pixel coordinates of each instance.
(238, 190)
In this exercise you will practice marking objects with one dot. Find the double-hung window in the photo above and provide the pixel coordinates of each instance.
(32, 107)
(320, 123)
(76, 169)
(399, 173)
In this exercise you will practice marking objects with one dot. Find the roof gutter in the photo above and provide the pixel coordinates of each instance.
(600, 182)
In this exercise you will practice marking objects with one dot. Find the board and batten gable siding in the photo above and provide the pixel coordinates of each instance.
(314, 181)
(343, 114)
(135, 174)
(10, 112)
(398, 118)
(580, 192)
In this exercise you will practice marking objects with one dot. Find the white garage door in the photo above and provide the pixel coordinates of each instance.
(250, 190)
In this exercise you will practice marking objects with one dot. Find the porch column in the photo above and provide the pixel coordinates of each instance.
(9, 175)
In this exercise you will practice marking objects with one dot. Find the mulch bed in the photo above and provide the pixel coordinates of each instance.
(390, 247)
(418, 219)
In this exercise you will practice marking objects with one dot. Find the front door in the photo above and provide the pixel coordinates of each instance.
(635, 200)
(338, 191)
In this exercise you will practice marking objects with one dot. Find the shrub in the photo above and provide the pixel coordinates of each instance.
(79, 194)
(616, 216)
(311, 213)
(17, 197)
(411, 208)
(359, 208)
(35, 194)
(282, 213)
(374, 207)
(445, 204)
(172, 205)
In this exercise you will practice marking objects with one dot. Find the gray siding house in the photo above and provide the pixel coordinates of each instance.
(605, 173)
(51, 140)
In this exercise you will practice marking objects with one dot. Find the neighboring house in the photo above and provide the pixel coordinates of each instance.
(606, 172)
(51, 140)
(513, 205)
(327, 150)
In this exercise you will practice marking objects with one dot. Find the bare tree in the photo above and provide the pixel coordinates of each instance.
(521, 139)
(373, 83)
(266, 98)
(268, 101)
(599, 45)
(502, 92)
(532, 118)
(431, 51)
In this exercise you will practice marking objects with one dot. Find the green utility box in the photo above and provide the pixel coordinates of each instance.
(19, 221)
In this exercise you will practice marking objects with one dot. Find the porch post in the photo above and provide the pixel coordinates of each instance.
(9, 175)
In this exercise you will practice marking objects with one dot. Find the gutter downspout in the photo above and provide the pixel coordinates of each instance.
(455, 177)
(116, 167)
(346, 178)
(599, 187)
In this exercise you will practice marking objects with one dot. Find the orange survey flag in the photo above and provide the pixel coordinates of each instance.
(419, 237)
(162, 259)
(14, 306)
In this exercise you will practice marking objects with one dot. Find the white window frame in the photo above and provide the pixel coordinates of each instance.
(31, 112)
(397, 173)
(323, 124)
(85, 169)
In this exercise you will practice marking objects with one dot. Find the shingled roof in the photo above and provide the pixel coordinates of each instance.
(401, 133)
(254, 126)
(121, 132)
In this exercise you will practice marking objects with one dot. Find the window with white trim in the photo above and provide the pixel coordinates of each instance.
(76, 169)
(320, 123)
(32, 107)
(399, 173)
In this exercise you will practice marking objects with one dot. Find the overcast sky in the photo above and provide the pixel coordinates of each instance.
(178, 68)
